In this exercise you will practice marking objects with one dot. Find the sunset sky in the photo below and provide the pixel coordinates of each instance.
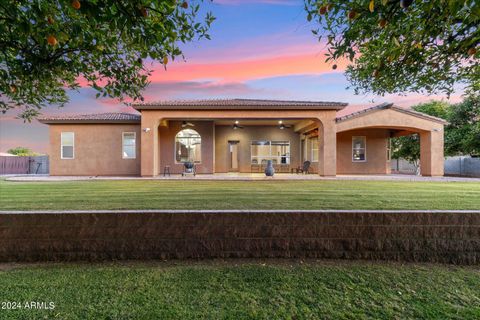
(259, 49)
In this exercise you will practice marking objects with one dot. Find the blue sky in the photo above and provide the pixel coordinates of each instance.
(259, 49)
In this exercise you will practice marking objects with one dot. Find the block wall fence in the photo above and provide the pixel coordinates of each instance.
(418, 236)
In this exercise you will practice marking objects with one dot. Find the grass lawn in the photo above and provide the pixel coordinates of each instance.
(156, 194)
(248, 290)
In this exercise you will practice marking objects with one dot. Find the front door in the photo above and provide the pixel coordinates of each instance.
(233, 156)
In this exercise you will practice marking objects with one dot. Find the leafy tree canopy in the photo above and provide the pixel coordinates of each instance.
(22, 151)
(462, 134)
(46, 46)
(408, 148)
(398, 46)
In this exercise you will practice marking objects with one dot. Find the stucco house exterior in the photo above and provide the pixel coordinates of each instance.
(239, 135)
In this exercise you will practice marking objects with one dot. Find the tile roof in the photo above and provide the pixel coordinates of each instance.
(386, 105)
(248, 104)
(110, 117)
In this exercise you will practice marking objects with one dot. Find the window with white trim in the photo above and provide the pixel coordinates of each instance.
(263, 150)
(128, 145)
(67, 142)
(188, 146)
(314, 149)
(359, 148)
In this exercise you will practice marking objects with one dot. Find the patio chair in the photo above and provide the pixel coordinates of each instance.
(305, 168)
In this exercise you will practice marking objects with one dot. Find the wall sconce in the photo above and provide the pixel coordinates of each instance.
(146, 129)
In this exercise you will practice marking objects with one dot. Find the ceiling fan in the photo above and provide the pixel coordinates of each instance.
(236, 125)
(282, 126)
(187, 124)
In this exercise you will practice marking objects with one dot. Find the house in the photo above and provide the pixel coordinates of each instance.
(239, 135)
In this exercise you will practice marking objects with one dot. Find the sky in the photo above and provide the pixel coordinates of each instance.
(259, 49)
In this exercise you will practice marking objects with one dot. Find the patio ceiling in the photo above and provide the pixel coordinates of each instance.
(260, 122)
(299, 125)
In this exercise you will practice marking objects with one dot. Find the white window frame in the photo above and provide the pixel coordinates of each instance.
(365, 149)
(175, 149)
(312, 152)
(135, 145)
(61, 145)
(270, 156)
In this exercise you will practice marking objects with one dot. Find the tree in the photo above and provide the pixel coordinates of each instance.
(408, 147)
(462, 134)
(49, 46)
(22, 151)
(398, 46)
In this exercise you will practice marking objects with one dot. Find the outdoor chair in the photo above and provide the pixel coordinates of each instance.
(305, 168)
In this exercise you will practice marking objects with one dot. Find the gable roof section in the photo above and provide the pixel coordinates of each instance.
(110, 117)
(385, 106)
(240, 104)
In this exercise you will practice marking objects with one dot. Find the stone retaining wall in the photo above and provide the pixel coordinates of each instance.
(435, 236)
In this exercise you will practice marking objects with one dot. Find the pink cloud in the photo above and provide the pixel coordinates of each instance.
(245, 70)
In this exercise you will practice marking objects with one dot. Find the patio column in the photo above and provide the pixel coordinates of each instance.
(327, 147)
(149, 145)
(431, 153)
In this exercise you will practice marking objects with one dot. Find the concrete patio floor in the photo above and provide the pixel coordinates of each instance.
(244, 177)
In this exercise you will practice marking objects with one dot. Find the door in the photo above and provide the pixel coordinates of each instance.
(233, 156)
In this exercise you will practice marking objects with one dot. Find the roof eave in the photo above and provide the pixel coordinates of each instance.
(385, 106)
(239, 107)
(83, 121)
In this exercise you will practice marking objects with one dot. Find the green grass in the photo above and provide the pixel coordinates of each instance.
(156, 194)
(249, 290)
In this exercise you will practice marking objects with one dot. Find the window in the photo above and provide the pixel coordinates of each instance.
(263, 150)
(188, 146)
(128, 145)
(314, 149)
(359, 149)
(67, 140)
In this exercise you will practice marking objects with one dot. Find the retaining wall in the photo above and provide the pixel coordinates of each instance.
(436, 236)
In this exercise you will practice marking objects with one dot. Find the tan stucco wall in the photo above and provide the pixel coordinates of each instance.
(98, 150)
(167, 146)
(376, 152)
(225, 133)
(431, 153)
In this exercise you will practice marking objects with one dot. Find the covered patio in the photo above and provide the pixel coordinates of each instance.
(222, 136)
(238, 136)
